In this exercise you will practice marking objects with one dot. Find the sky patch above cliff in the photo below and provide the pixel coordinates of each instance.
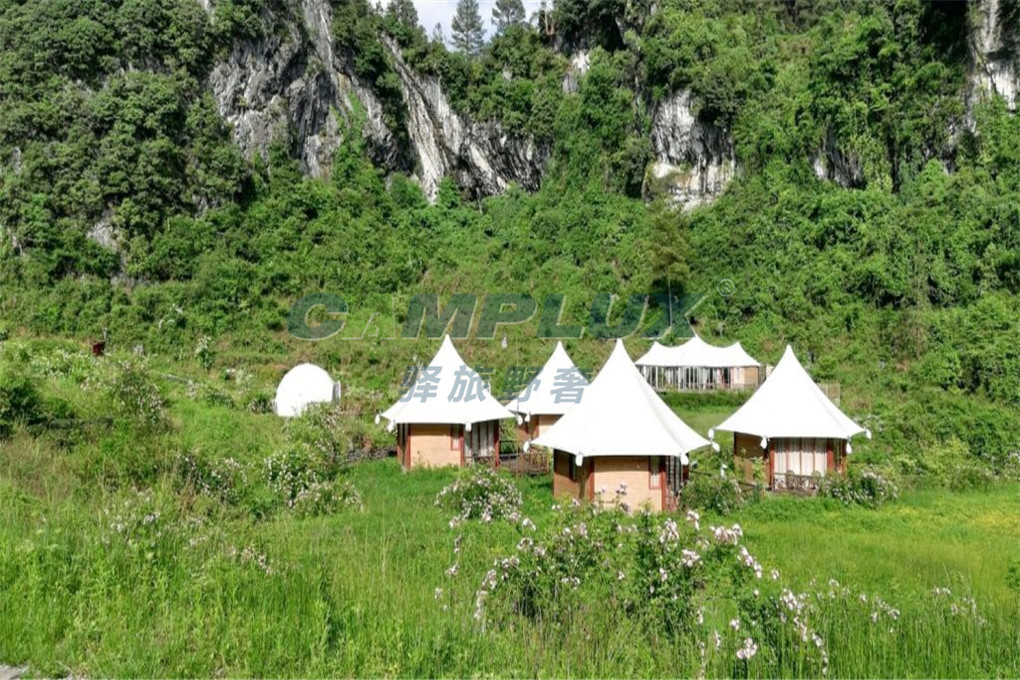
(431, 12)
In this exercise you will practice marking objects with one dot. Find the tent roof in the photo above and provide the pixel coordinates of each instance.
(538, 396)
(440, 406)
(790, 404)
(655, 355)
(303, 385)
(621, 415)
(696, 353)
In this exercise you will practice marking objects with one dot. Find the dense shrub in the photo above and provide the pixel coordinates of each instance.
(309, 483)
(481, 493)
(322, 429)
(867, 487)
(137, 397)
(596, 562)
(721, 491)
(226, 479)
(19, 401)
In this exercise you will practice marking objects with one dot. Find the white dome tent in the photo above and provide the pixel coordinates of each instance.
(303, 385)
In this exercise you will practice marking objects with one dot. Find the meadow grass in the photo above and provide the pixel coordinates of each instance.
(110, 566)
(355, 593)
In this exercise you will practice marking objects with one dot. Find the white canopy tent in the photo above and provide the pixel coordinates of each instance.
(697, 365)
(540, 396)
(790, 404)
(303, 385)
(442, 405)
(802, 433)
(621, 415)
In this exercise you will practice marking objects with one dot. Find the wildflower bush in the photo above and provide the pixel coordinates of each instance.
(322, 429)
(226, 479)
(325, 497)
(481, 493)
(307, 483)
(867, 487)
(137, 397)
(721, 493)
(259, 402)
(209, 393)
(667, 576)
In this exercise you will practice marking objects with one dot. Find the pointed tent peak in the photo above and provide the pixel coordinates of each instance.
(789, 363)
(790, 404)
(559, 352)
(540, 396)
(621, 415)
(447, 354)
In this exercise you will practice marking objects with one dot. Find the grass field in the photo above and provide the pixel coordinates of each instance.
(111, 565)
(354, 594)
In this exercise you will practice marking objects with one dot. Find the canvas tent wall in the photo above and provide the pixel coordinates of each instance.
(558, 387)
(792, 426)
(447, 415)
(620, 433)
(303, 385)
(697, 365)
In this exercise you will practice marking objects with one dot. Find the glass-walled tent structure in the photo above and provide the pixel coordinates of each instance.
(699, 366)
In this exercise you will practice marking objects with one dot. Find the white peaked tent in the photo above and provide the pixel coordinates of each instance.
(621, 436)
(538, 397)
(621, 415)
(699, 365)
(303, 385)
(657, 355)
(790, 404)
(448, 416)
(443, 407)
(798, 429)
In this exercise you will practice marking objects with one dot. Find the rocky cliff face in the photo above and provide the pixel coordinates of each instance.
(694, 160)
(289, 86)
(481, 157)
(831, 163)
(995, 67)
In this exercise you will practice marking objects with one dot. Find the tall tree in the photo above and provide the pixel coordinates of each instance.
(438, 35)
(404, 12)
(467, 28)
(507, 13)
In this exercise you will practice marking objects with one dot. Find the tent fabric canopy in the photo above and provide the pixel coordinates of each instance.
(696, 353)
(303, 385)
(790, 404)
(621, 415)
(539, 397)
(441, 394)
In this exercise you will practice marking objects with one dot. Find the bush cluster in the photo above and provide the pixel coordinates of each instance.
(481, 493)
(867, 487)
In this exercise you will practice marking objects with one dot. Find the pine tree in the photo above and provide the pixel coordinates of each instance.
(438, 35)
(404, 12)
(507, 13)
(467, 28)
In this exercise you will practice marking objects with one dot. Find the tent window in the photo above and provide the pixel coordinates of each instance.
(654, 468)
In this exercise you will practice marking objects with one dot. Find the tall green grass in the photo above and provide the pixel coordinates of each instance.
(355, 593)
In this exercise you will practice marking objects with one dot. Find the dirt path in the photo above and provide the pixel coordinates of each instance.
(11, 673)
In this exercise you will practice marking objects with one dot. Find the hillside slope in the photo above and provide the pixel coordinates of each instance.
(849, 170)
